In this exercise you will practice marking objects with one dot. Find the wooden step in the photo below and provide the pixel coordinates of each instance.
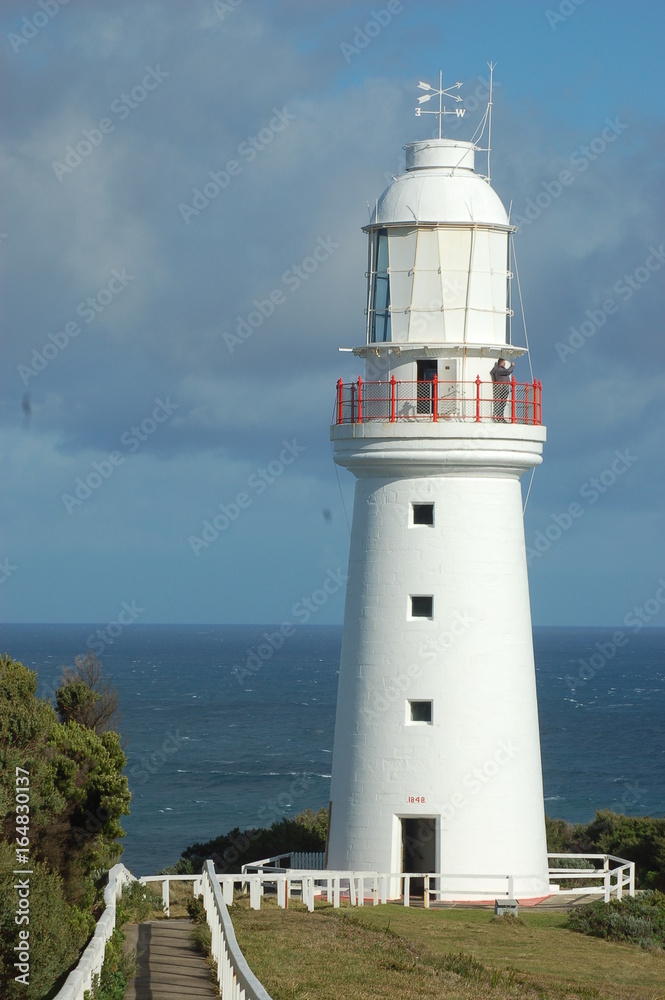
(169, 966)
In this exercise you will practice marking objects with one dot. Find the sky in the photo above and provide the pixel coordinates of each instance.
(184, 186)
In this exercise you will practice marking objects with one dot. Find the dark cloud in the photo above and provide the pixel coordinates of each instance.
(122, 286)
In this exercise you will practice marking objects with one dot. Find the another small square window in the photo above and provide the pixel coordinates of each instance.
(423, 513)
(420, 711)
(422, 607)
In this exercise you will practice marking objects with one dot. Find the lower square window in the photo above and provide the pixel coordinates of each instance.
(423, 513)
(422, 606)
(420, 711)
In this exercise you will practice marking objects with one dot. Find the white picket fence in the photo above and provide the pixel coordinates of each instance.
(311, 860)
(236, 979)
(90, 963)
(613, 876)
(614, 879)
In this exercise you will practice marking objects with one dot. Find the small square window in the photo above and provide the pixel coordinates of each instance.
(420, 711)
(422, 607)
(423, 513)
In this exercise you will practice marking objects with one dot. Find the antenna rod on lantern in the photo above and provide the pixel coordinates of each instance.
(489, 124)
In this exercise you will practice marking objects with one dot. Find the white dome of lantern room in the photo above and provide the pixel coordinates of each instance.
(439, 273)
(440, 186)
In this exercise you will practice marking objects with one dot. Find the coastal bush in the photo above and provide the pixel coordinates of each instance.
(138, 903)
(636, 838)
(117, 970)
(196, 910)
(637, 919)
(58, 930)
(305, 832)
(62, 795)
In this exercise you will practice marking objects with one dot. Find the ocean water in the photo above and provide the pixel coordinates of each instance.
(225, 728)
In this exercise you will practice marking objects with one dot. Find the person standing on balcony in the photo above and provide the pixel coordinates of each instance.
(501, 375)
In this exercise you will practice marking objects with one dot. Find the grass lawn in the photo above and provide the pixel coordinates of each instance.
(389, 951)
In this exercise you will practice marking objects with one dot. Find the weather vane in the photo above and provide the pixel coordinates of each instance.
(441, 93)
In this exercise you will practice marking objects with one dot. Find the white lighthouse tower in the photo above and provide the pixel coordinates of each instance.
(436, 764)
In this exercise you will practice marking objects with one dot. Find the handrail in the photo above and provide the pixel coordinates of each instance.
(296, 859)
(90, 963)
(236, 979)
(435, 400)
(334, 884)
(166, 882)
(288, 855)
(623, 873)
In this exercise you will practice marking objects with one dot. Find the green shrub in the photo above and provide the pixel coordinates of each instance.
(138, 903)
(77, 796)
(305, 832)
(58, 929)
(636, 838)
(637, 919)
(201, 936)
(117, 970)
(182, 867)
(196, 910)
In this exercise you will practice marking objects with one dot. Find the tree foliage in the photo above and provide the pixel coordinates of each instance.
(86, 697)
(58, 929)
(77, 797)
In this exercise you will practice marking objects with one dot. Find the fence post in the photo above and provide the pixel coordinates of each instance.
(513, 383)
(340, 396)
(435, 398)
(535, 402)
(407, 890)
(426, 892)
(165, 896)
(477, 399)
(393, 407)
(353, 402)
(540, 402)
(360, 400)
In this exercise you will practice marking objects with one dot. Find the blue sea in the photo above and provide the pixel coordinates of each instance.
(226, 728)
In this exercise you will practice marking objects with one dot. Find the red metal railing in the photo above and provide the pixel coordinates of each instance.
(507, 402)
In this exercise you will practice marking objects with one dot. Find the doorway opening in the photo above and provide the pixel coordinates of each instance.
(418, 848)
(426, 370)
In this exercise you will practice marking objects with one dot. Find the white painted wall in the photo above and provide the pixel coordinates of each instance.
(477, 767)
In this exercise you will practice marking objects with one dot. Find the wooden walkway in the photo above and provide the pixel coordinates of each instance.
(169, 967)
